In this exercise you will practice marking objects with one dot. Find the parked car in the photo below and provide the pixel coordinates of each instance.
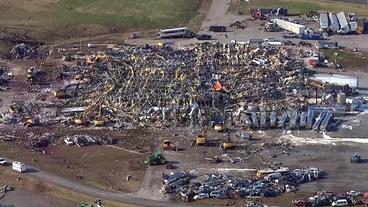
(354, 193)
(340, 202)
(201, 196)
(290, 35)
(3, 162)
(300, 202)
(365, 194)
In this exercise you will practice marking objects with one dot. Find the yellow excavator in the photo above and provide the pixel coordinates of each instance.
(97, 121)
(227, 144)
(96, 59)
(202, 138)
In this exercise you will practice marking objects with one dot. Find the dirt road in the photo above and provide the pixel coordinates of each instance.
(119, 197)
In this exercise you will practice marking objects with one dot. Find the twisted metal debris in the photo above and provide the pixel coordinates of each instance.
(198, 86)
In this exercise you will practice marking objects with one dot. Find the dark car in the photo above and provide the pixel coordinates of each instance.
(204, 37)
(300, 202)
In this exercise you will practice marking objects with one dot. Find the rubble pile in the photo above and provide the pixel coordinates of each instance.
(5, 77)
(85, 140)
(25, 51)
(222, 186)
(149, 85)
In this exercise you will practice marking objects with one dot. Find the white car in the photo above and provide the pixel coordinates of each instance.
(354, 193)
(2, 161)
(340, 202)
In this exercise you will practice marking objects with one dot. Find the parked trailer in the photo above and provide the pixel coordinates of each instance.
(311, 36)
(217, 28)
(175, 33)
(290, 26)
(334, 26)
(323, 21)
(344, 25)
(19, 166)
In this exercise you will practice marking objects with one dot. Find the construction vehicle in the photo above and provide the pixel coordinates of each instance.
(92, 108)
(356, 158)
(30, 121)
(31, 74)
(227, 144)
(167, 145)
(155, 159)
(96, 59)
(201, 140)
(219, 127)
(64, 93)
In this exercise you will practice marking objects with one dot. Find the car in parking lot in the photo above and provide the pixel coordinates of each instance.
(340, 202)
(300, 202)
(3, 162)
(354, 193)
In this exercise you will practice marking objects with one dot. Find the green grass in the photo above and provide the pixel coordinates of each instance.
(70, 18)
(300, 6)
(347, 59)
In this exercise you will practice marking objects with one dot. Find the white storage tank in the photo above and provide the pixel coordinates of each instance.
(19, 166)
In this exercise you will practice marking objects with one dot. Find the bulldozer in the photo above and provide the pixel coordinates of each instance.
(96, 59)
(219, 127)
(167, 145)
(155, 159)
(227, 144)
(62, 93)
(201, 140)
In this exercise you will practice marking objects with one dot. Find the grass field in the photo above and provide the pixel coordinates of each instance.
(301, 6)
(101, 167)
(70, 18)
(347, 59)
(8, 177)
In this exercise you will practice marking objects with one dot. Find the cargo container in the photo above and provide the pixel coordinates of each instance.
(19, 167)
(344, 25)
(290, 26)
(217, 28)
(311, 37)
(323, 21)
(334, 26)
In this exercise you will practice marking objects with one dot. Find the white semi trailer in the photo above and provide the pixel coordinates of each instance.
(344, 25)
(323, 21)
(334, 26)
(290, 26)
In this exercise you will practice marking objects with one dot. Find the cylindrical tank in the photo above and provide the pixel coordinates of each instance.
(341, 98)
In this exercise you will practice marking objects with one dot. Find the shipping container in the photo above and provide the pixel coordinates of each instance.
(290, 26)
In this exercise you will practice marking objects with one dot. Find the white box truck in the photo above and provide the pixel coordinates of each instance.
(19, 166)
